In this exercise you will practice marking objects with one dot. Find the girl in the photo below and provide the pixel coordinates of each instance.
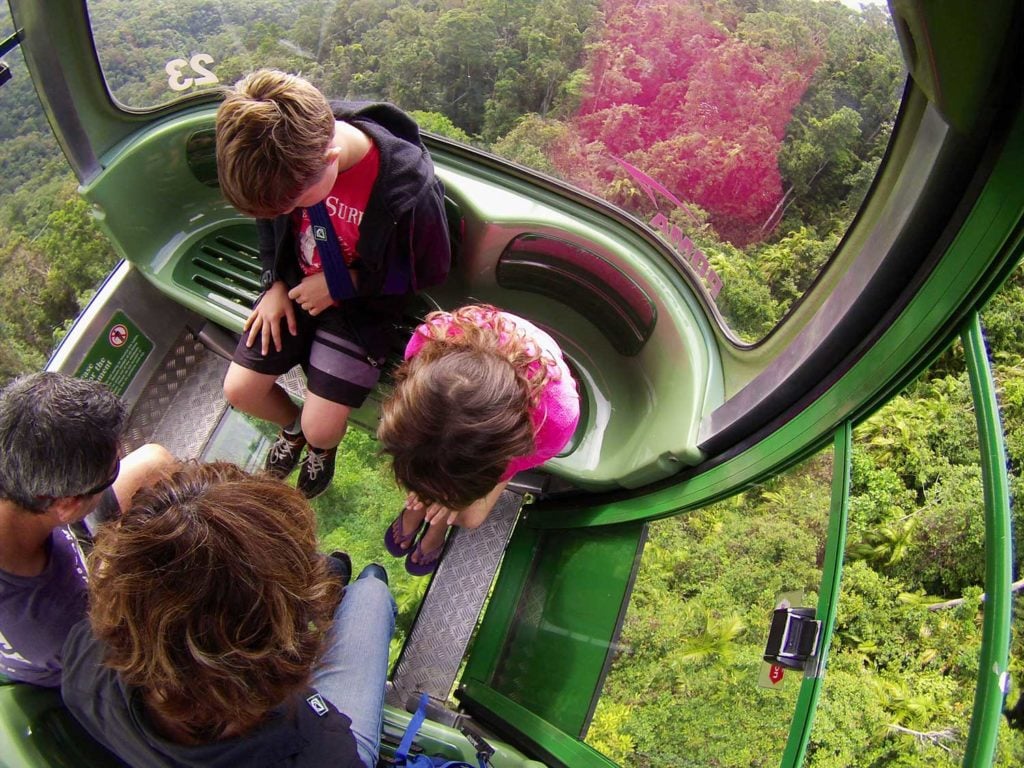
(482, 395)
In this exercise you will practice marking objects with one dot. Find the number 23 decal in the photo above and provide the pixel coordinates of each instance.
(176, 72)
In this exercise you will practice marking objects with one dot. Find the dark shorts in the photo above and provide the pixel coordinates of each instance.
(336, 365)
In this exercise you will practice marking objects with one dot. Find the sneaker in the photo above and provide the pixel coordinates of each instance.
(284, 454)
(340, 564)
(316, 471)
(373, 571)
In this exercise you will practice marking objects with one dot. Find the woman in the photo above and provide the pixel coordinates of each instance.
(210, 638)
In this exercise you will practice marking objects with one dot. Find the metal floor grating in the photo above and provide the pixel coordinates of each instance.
(181, 407)
(183, 401)
(448, 616)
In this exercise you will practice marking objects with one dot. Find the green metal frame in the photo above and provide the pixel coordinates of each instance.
(993, 661)
(554, 616)
(828, 599)
(558, 747)
(995, 634)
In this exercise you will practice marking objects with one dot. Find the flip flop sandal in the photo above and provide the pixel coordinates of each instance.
(428, 560)
(397, 544)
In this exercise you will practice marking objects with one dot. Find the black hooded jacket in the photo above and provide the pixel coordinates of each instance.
(300, 732)
(404, 219)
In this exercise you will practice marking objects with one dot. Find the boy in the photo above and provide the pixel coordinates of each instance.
(59, 440)
(351, 222)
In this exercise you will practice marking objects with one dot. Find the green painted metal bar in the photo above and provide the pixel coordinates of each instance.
(995, 634)
(485, 652)
(828, 599)
(557, 748)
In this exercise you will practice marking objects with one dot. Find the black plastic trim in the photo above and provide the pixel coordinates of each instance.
(584, 281)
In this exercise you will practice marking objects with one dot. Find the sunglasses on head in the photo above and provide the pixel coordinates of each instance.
(106, 483)
(92, 491)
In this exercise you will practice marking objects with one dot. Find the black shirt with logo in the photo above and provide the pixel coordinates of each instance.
(307, 730)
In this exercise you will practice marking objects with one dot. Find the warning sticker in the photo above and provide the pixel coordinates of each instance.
(117, 355)
(771, 675)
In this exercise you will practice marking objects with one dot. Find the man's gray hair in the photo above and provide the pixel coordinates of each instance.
(59, 437)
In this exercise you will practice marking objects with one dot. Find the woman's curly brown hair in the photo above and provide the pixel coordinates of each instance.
(460, 409)
(212, 598)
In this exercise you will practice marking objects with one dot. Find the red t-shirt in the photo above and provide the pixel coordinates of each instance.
(346, 204)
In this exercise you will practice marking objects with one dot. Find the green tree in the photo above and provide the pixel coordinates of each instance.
(440, 124)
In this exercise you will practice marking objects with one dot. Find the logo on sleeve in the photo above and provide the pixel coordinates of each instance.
(8, 653)
(317, 704)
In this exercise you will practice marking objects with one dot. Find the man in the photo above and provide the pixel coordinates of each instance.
(59, 462)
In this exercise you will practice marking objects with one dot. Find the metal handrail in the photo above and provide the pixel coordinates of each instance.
(993, 674)
(828, 599)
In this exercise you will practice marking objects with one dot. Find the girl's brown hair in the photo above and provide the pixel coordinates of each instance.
(212, 598)
(273, 130)
(460, 409)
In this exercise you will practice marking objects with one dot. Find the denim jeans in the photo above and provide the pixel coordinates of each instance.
(354, 666)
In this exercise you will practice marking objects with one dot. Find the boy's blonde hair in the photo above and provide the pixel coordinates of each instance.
(273, 131)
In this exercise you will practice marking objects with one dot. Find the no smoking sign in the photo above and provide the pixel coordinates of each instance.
(117, 354)
(118, 335)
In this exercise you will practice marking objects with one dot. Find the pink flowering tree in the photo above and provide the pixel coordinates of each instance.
(699, 103)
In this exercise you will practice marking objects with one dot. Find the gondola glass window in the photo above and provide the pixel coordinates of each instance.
(745, 135)
(44, 281)
(687, 684)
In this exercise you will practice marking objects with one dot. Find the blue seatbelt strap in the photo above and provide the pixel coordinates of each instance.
(339, 281)
(402, 753)
(397, 278)
(423, 761)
